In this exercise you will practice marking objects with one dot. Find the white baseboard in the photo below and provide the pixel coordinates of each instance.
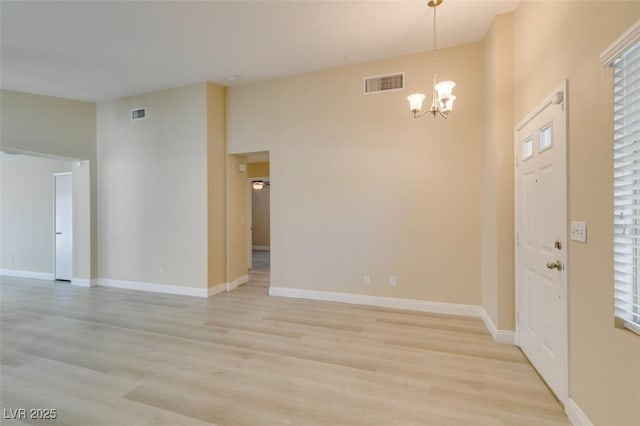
(27, 274)
(576, 415)
(505, 337)
(154, 287)
(385, 302)
(237, 282)
(166, 288)
(216, 289)
(261, 248)
(84, 282)
(499, 336)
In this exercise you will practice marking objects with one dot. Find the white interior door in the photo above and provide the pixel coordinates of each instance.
(63, 221)
(541, 246)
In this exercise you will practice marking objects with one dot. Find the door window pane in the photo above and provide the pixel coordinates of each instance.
(544, 138)
(527, 148)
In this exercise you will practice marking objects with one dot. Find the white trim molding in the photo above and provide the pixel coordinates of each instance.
(27, 274)
(217, 289)
(84, 282)
(384, 302)
(576, 415)
(154, 287)
(499, 336)
(261, 248)
(237, 282)
(164, 288)
(616, 48)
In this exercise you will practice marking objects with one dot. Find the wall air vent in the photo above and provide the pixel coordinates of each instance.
(138, 114)
(384, 83)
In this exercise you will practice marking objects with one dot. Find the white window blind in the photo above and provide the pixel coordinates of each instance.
(627, 187)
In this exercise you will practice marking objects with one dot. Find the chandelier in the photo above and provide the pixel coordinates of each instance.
(259, 184)
(442, 98)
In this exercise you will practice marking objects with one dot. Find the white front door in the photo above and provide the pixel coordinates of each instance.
(541, 245)
(63, 221)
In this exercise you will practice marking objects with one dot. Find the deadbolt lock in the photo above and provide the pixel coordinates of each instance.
(558, 244)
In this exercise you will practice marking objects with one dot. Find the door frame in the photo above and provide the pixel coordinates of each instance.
(53, 179)
(552, 98)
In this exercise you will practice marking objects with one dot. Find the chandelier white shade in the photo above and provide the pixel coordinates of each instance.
(415, 102)
(443, 97)
(444, 89)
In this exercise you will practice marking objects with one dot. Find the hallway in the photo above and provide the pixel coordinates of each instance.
(260, 274)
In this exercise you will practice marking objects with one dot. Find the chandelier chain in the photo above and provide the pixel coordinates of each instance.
(435, 40)
(442, 99)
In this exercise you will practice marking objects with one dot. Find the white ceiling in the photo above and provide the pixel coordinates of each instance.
(99, 50)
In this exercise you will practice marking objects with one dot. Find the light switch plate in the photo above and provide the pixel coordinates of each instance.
(579, 231)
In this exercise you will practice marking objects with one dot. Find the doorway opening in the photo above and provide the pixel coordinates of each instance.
(260, 232)
(259, 214)
(45, 217)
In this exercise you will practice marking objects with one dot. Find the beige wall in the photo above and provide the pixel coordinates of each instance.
(153, 188)
(497, 197)
(26, 212)
(217, 262)
(238, 220)
(59, 128)
(604, 361)
(47, 125)
(393, 195)
(82, 247)
(260, 213)
(258, 169)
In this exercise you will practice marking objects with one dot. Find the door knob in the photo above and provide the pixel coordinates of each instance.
(555, 265)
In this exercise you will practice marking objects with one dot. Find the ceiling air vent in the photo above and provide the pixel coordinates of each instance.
(138, 114)
(383, 83)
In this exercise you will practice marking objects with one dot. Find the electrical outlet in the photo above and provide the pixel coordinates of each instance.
(162, 270)
(367, 279)
(10, 259)
(393, 281)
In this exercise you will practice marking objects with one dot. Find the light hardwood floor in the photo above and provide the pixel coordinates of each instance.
(261, 269)
(105, 356)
